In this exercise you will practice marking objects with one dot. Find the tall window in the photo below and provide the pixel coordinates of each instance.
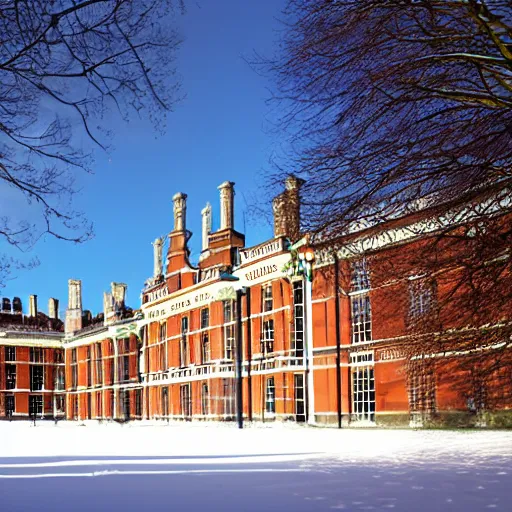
(138, 403)
(267, 337)
(75, 406)
(229, 329)
(124, 397)
(229, 397)
(205, 348)
(112, 365)
(185, 401)
(360, 276)
(205, 409)
(98, 405)
(267, 302)
(35, 405)
(36, 377)
(59, 379)
(205, 338)
(165, 401)
(58, 356)
(184, 342)
(10, 405)
(89, 406)
(164, 363)
(360, 302)
(363, 386)
(10, 374)
(74, 369)
(422, 389)
(60, 404)
(126, 368)
(298, 321)
(361, 318)
(422, 298)
(89, 367)
(270, 396)
(99, 364)
(10, 353)
(298, 395)
(205, 318)
(36, 355)
(267, 324)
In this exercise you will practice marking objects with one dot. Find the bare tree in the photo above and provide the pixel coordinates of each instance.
(403, 108)
(63, 65)
(389, 101)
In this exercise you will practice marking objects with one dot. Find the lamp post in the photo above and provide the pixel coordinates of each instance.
(301, 264)
(238, 361)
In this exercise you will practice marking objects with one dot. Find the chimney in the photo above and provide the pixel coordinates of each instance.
(108, 306)
(6, 305)
(180, 211)
(279, 211)
(32, 307)
(74, 311)
(157, 257)
(53, 308)
(118, 293)
(286, 207)
(75, 294)
(206, 214)
(17, 307)
(227, 194)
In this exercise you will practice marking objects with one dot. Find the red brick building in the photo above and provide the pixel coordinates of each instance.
(31, 362)
(360, 332)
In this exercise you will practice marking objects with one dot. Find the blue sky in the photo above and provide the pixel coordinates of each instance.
(217, 133)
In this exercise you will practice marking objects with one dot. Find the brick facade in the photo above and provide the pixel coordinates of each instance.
(337, 350)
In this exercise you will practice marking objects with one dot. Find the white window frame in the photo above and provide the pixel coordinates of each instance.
(184, 356)
(267, 299)
(422, 297)
(229, 329)
(362, 380)
(267, 335)
(270, 395)
(361, 318)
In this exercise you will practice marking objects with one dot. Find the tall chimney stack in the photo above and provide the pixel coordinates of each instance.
(227, 194)
(53, 308)
(180, 211)
(74, 311)
(206, 214)
(157, 257)
(108, 307)
(119, 294)
(17, 307)
(32, 306)
(286, 207)
(279, 212)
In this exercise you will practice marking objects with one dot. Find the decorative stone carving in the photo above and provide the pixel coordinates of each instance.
(227, 293)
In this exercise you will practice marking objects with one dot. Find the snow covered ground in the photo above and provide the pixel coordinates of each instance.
(187, 439)
(279, 467)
